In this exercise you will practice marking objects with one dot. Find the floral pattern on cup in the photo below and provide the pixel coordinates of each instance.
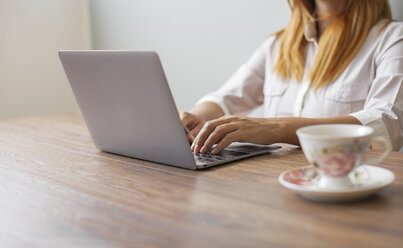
(336, 164)
(302, 176)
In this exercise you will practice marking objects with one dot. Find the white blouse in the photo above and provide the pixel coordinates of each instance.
(370, 88)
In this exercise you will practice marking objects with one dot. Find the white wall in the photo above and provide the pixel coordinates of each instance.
(31, 77)
(200, 42)
(397, 9)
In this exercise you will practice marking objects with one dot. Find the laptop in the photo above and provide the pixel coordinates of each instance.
(129, 110)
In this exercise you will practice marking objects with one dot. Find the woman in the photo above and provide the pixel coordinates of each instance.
(337, 61)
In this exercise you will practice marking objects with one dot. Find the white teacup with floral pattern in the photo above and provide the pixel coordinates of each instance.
(337, 149)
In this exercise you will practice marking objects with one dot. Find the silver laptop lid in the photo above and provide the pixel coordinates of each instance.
(127, 105)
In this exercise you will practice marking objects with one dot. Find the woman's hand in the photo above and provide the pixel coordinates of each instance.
(228, 129)
(192, 124)
(194, 120)
(265, 131)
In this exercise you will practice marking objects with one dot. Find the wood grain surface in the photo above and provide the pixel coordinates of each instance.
(58, 190)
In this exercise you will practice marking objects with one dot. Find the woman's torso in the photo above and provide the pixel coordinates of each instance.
(347, 94)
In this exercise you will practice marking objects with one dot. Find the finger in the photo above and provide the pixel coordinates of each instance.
(226, 141)
(205, 132)
(193, 133)
(218, 133)
(190, 138)
(188, 120)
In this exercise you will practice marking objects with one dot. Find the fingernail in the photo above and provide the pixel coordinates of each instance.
(215, 151)
(203, 149)
(195, 148)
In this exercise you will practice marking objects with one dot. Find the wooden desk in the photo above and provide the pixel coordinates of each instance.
(58, 190)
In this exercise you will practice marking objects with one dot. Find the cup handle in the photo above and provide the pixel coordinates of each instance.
(386, 145)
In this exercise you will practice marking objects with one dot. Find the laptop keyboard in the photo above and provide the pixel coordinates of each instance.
(223, 155)
(233, 152)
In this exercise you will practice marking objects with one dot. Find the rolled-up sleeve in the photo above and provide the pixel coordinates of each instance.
(383, 109)
(244, 90)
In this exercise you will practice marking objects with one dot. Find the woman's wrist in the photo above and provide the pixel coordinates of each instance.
(285, 128)
(281, 130)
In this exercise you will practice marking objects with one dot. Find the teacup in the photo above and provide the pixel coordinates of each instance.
(337, 149)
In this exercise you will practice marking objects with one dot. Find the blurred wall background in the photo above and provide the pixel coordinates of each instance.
(201, 43)
(32, 81)
(397, 9)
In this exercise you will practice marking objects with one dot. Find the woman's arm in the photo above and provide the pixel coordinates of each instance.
(228, 129)
(207, 111)
(383, 109)
(243, 92)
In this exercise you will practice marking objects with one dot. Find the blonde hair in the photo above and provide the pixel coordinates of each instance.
(338, 44)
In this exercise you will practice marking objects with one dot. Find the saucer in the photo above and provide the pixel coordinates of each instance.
(366, 181)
